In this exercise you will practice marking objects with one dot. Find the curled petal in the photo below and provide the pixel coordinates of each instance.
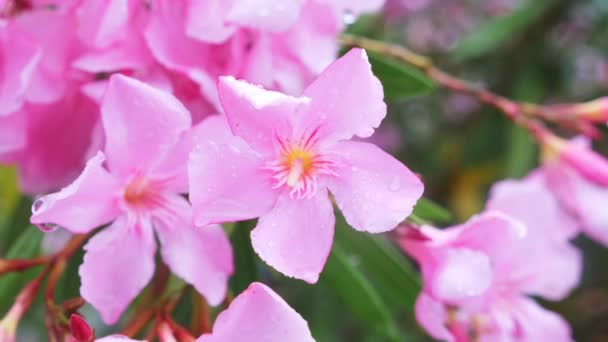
(295, 237)
(87, 203)
(259, 315)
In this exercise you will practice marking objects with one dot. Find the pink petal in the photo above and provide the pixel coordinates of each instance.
(259, 315)
(19, 58)
(228, 183)
(258, 115)
(201, 256)
(118, 263)
(206, 20)
(462, 273)
(356, 7)
(102, 22)
(87, 203)
(266, 15)
(13, 135)
(146, 120)
(432, 316)
(374, 191)
(536, 323)
(531, 202)
(333, 93)
(116, 338)
(295, 237)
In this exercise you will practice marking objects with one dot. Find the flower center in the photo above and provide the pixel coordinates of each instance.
(298, 165)
(141, 192)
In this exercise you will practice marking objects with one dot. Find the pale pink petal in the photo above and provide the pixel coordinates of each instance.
(432, 316)
(201, 256)
(102, 22)
(462, 273)
(333, 107)
(265, 15)
(535, 323)
(258, 115)
(259, 315)
(18, 60)
(118, 263)
(295, 237)
(206, 20)
(374, 191)
(356, 7)
(228, 183)
(89, 202)
(116, 338)
(141, 123)
(531, 202)
(593, 166)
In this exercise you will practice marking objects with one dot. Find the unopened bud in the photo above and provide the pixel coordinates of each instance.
(596, 110)
(577, 154)
(80, 329)
(8, 325)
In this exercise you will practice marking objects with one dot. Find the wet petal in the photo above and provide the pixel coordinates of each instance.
(118, 264)
(332, 94)
(374, 191)
(201, 256)
(462, 273)
(259, 315)
(432, 316)
(295, 237)
(266, 15)
(87, 203)
(147, 120)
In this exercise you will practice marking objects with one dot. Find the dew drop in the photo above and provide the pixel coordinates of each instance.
(395, 184)
(38, 205)
(349, 17)
(47, 227)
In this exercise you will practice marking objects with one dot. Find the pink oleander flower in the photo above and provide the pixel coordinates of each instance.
(117, 338)
(288, 153)
(135, 185)
(259, 315)
(549, 228)
(19, 57)
(578, 177)
(476, 277)
(48, 142)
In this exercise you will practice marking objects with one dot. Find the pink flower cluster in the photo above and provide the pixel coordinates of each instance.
(478, 276)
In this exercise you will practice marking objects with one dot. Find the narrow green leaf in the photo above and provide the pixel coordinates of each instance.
(399, 81)
(496, 33)
(358, 294)
(384, 265)
(430, 211)
(245, 268)
(27, 246)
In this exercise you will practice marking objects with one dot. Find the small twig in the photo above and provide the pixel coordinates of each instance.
(524, 114)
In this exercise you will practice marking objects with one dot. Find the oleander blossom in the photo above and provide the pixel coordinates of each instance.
(286, 155)
(259, 315)
(476, 280)
(135, 186)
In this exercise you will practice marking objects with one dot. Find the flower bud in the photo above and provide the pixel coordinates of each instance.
(596, 110)
(8, 325)
(577, 154)
(80, 329)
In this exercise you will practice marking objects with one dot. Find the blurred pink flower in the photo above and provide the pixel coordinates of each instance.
(288, 152)
(259, 315)
(578, 176)
(137, 189)
(475, 279)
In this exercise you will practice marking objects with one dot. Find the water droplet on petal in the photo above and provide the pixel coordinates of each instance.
(349, 17)
(47, 227)
(38, 205)
(395, 184)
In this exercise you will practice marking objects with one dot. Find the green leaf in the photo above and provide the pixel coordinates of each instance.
(494, 34)
(399, 81)
(9, 193)
(245, 267)
(358, 294)
(430, 211)
(383, 263)
(27, 246)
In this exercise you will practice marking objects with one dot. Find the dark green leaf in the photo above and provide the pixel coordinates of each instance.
(358, 294)
(497, 33)
(430, 211)
(245, 268)
(27, 246)
(399, 81)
